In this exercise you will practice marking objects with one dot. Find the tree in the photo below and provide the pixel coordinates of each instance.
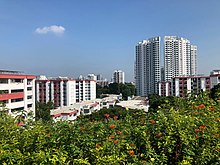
(114, 88)
(215, 92)
(126, 89)
(101, 90)
(43, 111)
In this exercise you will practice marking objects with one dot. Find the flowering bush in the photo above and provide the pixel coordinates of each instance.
(184, 131)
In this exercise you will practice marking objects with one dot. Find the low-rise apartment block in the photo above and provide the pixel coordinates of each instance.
(183, 85)
(17, 92)
(64, 91)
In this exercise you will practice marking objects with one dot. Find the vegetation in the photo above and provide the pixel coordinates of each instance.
(43, 111)
(178, 131)
(126, 89)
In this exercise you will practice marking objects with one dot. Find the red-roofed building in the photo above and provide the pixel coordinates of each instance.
(17, 92)
(64, 91)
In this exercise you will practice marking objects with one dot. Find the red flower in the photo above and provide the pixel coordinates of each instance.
(21, 123)
(211, 108)
(112, 126)
(197, 130)
(131, 152)
(97, 145)
(116, 141)
(132, 144)
(115, 117)
(112, 136)
(119, 132)
(202, 127)
(197, 136)
(106, 115)
(201, 106)
(196, 112)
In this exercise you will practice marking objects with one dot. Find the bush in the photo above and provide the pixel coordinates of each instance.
(184, 132)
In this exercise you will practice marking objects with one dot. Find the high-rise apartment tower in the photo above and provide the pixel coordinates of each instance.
(179, 57)
(119, 77)
(147, 66)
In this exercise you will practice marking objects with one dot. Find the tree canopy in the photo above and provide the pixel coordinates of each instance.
(126, 89)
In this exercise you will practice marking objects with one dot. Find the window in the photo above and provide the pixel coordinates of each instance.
(17, 100)
(17, 80)
(29, 81)
(29, 97)
(17, 90)
(3, 81)
(29, 88)
(3, 91)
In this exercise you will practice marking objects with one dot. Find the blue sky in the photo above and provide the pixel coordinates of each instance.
(99, 36)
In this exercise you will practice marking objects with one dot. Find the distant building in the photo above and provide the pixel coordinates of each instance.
(17, 92)
(182, 85)
(162, 74)
(103, 83)
(147, 66)
(193, 61)
(215, 77)
(180, 57)
(119, 77)
(92, 77)
(65, 91)
(99, 77)
(164, 88)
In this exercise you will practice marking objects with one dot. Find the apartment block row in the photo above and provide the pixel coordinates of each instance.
(183, 85)
(64, 91)
(20, 92)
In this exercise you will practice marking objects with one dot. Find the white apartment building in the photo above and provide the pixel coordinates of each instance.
(215, 77)
(64, 91)
(180, 57)
(193, 63)
(147, 66)
(17, 92)
(119, 77)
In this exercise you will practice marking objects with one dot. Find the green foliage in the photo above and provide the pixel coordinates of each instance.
(43, 111)
(178, 131)
(215, 92)
(126, 89)
(156, 101)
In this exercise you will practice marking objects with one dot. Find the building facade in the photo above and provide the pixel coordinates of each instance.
(64, 91)
(183, 85)
(180, 57)
(215, 77)
(119, 77)
(164, 88)
(147, 66)
(17, 92)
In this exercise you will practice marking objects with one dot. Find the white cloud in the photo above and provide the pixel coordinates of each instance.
(51, 29)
